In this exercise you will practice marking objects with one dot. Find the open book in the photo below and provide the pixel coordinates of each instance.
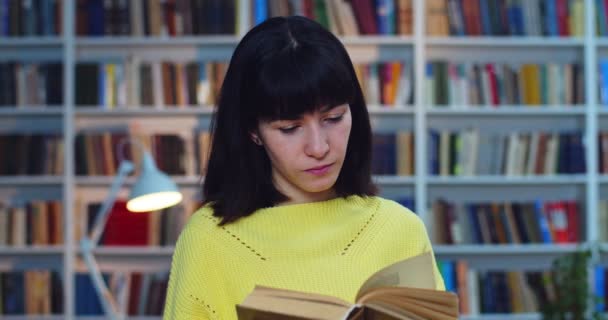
(404, 290)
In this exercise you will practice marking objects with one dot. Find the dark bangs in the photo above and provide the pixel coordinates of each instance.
(300, 79)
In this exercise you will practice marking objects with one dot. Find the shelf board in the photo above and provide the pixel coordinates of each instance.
(508, 180)
(604, 247)
(30, 180)
(94, 112)
(30, 251)
(23, 111)
(507, 111)
(31, 42)
(507, 249)
(211, 40)
(127, 41)
(602, 178)
(601, 41)
(134, 251)
(505, 41)
(502, 316)
(390, 110)
(377, 40)
(387, 180)
(106, 181)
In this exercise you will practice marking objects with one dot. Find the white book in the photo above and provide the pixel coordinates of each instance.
(553, 83)
(132, 81)
(18, 227)
(473, 288)
(532, 153)
(404, 90)
(568, 94)
(157, 84)
(137, 18)
(551, 156)
(373, 84)
(463, 70)
(512, 152)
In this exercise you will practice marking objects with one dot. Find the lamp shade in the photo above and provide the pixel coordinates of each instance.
(153, 190)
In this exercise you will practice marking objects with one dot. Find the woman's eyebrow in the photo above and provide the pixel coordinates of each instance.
(328, 108)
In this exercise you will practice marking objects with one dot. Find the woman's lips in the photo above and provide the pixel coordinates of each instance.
(320, 170)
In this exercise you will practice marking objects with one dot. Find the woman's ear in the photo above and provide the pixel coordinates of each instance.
(255, 138)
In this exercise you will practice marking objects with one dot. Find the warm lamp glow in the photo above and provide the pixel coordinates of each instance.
(154, 201)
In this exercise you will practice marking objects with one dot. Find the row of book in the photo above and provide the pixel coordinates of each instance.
(497, 292)
(387, 83)
(507, 223)
(174, 154)
(135, 83)
(469, 152)
(27, 84)
(32, 223)
(393, 153)
(125, 228)
(136, 293)
(557, 18)
(31, 154)
(155, 18)
(464, 84)
(348, 18)
(31, 292)
(30, 18)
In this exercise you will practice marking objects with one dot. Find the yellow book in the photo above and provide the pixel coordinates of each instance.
(404, 290)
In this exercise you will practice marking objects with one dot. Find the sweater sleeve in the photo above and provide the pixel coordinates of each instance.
(185, 279)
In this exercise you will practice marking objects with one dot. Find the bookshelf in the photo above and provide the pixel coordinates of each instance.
(418, 48)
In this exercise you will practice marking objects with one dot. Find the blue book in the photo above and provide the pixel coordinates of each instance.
(102, 85)
(87, 303)
(484, 12)
(551, 18)
(604, 82)
(13, 288)
(433, 152)
(476, 228)
(600, 290)
(447, 271)
(543, 223)
(48, 17)
(518, 19)
(385, 14)
(95, 18)
(4, 24)
(407, 202)
(260, 11)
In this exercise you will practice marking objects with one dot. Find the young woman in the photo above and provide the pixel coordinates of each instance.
(289, 197)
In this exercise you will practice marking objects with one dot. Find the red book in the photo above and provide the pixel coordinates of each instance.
(126, 228)
(365, 15)
(561, 7)
(557, 215)
(573, 221)
(493, 84)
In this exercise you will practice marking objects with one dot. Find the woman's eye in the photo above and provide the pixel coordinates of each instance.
(335, 119)
(288, 129)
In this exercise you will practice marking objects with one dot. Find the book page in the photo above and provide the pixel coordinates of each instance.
(414, 272)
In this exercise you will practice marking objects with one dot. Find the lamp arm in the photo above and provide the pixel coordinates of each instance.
(101, 218)
(88, 243)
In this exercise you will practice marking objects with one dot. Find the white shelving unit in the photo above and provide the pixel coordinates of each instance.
(418, 117)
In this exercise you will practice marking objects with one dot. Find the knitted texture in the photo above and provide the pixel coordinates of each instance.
(329, 247)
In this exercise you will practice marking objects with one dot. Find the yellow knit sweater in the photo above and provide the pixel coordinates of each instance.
(329, 247)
